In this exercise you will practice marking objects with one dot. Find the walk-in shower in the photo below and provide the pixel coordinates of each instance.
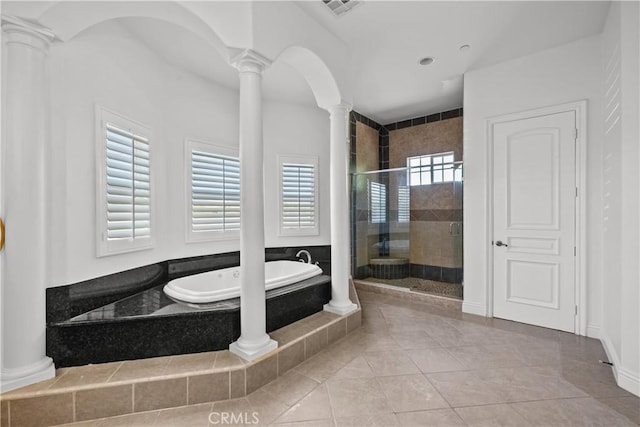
(407, 225)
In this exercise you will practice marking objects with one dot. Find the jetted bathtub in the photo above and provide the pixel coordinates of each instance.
(219, 285)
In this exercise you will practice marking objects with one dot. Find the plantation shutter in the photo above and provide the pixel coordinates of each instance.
(298, 196)
(404, 204)
(215, 192)
(377, 202)
(128, 185)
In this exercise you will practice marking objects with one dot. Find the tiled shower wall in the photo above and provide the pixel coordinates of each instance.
(365, 156)
(434, 251)
(435, 229)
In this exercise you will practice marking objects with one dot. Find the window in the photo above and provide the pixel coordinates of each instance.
(213, 192)
(432, 169)
(377, 203)
(124, 181)
(298, 195)
(404, 203)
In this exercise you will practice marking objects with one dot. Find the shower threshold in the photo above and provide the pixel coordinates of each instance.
(431, 287)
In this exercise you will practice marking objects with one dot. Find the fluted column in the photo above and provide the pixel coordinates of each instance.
(24, 124)
(254, 340)
(339, 171)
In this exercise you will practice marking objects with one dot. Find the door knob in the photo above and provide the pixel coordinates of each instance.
(499, 243)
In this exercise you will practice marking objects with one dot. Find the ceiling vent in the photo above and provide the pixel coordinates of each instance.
(340, 7)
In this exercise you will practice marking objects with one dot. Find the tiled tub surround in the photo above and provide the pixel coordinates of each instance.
(127, 315)
(150, 324)
(136, 386)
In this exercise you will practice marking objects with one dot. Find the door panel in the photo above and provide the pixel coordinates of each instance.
(534, 218)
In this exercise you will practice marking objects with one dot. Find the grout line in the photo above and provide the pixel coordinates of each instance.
(114, 372)
(73, 406)
(187, 391)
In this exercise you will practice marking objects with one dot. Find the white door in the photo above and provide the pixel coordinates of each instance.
(534, 197)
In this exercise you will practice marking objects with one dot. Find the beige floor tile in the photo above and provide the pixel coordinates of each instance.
(314, 406)
(357, 368)
(159, 394)
(414, 339)
(535, 383)
(83, 375)
(411, 393)
(141, 369)
(134, 420)
(188, 363)
(232, 412)
(570, 412)
(103, 402)
(266, 408)
(379, 420)
(467, 388)
(315, 423)
(90, 423)
(491, 416)
(487, 356)
(226, 359)
(41, 410)
(627, 406)
(437, 417)
(356, 396)
(595, 379)
(290, 388)
(385, 363)
(193, 415)
(435, 360)
(319, 367)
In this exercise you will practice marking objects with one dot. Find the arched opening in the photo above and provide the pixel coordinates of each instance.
(316, 73)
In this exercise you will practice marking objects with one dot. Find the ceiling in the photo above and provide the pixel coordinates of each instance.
(389, 37)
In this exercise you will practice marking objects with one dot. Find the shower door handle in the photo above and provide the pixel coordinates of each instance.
(454, 228)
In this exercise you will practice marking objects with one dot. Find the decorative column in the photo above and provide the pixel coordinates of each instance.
(24, 144)
(339, 171)
(254, 340)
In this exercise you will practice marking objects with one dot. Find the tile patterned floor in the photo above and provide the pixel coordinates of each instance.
(416, 365)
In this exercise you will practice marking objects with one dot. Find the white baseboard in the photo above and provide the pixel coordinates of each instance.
(628, 381)
(474, 308)
(625, 379)
(593, 331)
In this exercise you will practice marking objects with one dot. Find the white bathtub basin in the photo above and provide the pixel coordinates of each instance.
(219, 285)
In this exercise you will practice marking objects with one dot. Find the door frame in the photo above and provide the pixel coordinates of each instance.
(580, 232)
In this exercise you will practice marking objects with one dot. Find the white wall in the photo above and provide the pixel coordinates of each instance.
(107, 66)
(621, 225)
(295, 130)
(564, 74)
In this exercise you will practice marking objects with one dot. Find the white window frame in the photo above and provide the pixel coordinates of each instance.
(192, 236)
(105, 246)
(377, 212)
(429, 167)
(298, 160)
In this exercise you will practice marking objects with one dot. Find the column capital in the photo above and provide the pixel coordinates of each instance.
(341, 108)
(28, 33)
(250, 61)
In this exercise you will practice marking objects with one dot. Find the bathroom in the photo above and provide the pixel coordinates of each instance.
(270, 90)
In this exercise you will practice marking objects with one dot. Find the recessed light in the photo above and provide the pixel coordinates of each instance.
(465, 47)
(426, 61)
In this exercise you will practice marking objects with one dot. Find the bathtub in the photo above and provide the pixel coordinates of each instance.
(219, 285)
